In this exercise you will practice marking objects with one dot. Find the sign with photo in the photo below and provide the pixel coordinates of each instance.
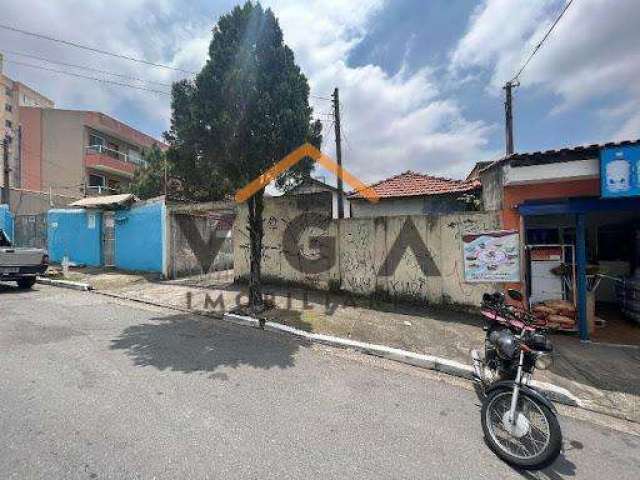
(620, 171)
(491, 257)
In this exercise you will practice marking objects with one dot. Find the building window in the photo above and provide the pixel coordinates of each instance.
(7, 91)
(8, 124)
(95, 140)
(135, 157)
(97, 181)
(8, 107)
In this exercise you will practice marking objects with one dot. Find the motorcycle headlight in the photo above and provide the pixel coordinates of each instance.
(544, 361)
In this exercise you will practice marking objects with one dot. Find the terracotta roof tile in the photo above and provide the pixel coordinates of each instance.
(412, 184)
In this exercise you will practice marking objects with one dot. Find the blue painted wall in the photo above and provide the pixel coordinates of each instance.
(6, 221)
(140, 237)
(77, 234)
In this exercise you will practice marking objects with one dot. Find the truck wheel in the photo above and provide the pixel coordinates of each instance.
(26, 283)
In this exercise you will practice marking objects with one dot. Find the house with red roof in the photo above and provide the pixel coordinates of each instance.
(412, 193)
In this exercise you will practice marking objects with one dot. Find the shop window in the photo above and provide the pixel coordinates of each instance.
(615, 243)
(543, 236)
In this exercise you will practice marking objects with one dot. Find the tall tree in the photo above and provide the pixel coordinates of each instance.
(246, 110)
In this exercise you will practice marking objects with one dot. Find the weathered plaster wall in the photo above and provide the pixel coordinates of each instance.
(278, 214)
(364, 249)
(492, 188)
(433, 204)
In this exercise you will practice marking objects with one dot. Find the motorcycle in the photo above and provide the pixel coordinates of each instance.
(519, 422)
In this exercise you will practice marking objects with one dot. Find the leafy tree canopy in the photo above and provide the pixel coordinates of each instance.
(245, 111)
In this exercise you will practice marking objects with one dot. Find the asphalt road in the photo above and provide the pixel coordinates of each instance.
(91, 387)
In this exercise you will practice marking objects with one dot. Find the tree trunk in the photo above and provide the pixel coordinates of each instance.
(256, 232)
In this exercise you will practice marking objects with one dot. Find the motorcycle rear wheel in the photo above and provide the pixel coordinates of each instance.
(535, 439)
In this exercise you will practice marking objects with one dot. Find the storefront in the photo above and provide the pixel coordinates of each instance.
(577, 212)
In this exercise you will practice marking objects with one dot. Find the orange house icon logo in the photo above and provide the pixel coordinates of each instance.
(306, 150)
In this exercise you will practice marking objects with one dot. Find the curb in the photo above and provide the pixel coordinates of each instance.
(85, 287)
(428, 362)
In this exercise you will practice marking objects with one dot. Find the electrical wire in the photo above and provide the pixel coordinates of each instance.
(95, 50)
(537, 47)
(91, 69)
(102, 80)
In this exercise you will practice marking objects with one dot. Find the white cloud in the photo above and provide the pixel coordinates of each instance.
(391, 122)
(592, 55)
(128, 27)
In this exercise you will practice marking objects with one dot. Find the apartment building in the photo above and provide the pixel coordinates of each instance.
(13, 95)
(79, 152)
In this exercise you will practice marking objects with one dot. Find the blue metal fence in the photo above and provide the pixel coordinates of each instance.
(7, 222)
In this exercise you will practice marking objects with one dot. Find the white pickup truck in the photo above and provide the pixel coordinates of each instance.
(21, 265)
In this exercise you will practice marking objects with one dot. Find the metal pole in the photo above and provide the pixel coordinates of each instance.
(5, 171)
(581, 261)
(336, 110)
(508, 114)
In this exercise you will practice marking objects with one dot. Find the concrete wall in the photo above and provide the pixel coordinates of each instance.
(140, 237)
(492, 189)
(31, 147)
(52, 150)
(434, 204)
(361, 247)
(27, 202)
(200, 239)
(63, 151)
(77, 234)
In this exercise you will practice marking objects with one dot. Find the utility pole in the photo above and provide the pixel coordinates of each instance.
(508, 113)
(5, 170)
(165, 175)
(336, 112)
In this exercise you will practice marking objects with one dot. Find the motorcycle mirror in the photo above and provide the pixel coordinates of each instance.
(515, 295)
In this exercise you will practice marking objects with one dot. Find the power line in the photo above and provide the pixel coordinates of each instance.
(91, 69)
(102, 80)
(318, 97)
(95, 50)
(537, 47)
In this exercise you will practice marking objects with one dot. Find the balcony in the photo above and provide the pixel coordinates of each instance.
(107, 160)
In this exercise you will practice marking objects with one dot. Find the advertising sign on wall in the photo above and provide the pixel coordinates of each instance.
(620, 171)
(491, 257)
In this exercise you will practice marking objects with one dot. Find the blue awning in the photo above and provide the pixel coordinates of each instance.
(579, 205)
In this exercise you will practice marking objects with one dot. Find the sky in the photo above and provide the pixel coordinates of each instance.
(420, 81)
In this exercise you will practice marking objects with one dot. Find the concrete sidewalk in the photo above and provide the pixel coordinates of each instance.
(605, 378)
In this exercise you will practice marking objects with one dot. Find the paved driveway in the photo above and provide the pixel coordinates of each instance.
(94, 388)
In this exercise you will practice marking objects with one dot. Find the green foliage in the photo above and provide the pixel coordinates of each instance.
(246, 109)
(148, 180)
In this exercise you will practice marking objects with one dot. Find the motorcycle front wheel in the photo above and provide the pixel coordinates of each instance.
(532, 441)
